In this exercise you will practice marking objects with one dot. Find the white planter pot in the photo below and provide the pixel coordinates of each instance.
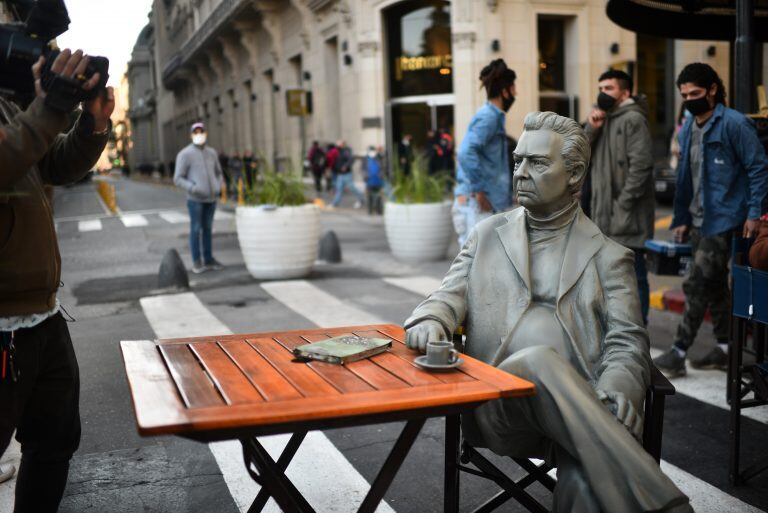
(280, 243)
(418, 232)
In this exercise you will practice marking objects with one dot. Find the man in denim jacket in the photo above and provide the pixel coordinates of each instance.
(482, 176)
(722, 178)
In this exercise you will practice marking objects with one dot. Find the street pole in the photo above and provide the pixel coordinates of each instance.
(744, 46)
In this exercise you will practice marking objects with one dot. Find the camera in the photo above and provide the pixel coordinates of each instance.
(23, 42)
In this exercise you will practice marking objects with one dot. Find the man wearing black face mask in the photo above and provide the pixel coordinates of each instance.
(622, 199)
(722, 178)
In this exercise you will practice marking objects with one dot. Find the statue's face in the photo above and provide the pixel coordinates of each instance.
(541, 179)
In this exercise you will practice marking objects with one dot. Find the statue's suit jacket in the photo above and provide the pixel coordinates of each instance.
(488, 289)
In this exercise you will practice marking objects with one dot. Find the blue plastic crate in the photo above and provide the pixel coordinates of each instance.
(668, 258)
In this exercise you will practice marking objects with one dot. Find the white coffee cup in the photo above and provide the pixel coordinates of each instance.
(441, 352)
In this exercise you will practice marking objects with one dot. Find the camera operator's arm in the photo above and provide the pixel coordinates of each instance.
(31, 135)
(72, 155)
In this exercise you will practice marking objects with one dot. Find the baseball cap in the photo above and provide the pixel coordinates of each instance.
(197, 125)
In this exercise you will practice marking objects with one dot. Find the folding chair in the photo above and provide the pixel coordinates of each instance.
(749, 309)
(466, 458)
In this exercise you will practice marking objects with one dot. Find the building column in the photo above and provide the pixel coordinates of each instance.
(371, 95)
(464, 81)
(231, 53)
(248, 38)
(223, 137)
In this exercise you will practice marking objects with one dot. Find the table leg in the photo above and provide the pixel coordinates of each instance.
(391, 466)
(282, 463)
(451, 486)
(273, 479)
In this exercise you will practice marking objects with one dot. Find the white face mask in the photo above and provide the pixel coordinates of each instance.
(199, 139)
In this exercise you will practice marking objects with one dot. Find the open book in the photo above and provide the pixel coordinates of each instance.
(344, 349)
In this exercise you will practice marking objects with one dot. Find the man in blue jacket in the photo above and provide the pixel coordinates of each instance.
(722, 179)
(482, 176)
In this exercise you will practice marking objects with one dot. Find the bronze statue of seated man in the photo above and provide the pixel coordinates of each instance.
(544, 295)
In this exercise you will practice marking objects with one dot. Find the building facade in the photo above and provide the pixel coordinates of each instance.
(271, 76)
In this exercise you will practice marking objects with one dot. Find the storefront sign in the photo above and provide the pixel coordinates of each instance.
(426, 62)
(296, 102)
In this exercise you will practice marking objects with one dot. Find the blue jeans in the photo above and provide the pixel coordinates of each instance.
(642, 283)
(345, 181)
(201, 224)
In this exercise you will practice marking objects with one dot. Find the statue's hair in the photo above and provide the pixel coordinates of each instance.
(576, 150)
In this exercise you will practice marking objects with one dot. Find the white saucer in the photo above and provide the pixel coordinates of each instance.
(421, 361)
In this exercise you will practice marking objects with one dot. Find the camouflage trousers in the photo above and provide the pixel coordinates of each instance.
(707, 287)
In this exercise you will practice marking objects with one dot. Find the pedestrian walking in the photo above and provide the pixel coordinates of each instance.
(250, 168)
(316, 158)
(482, 175)
(434, 153)
(405, 155)
(199, 172)
(344, 178)
(722, 178)
(622, 202)
(235, 171)
(331, 156)
(39, 373)
(374, 180)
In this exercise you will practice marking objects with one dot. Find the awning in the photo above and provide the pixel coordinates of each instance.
(686, 19)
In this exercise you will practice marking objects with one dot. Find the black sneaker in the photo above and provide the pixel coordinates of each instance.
(715, 359)
(214, 265)
(670, 363)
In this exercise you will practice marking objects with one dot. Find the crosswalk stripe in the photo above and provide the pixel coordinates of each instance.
(92, 225)
(705, 498)
(419, 285)
(333, 486)
(133, 220)
(709, 386)
(222, 215)
(174, 217)
(318, 306)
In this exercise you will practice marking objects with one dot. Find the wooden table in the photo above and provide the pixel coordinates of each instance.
(245, 386)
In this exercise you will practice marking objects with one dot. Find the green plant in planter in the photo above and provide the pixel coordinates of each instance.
(272, 188)
(419, 186)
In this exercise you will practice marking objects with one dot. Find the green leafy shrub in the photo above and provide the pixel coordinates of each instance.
(419, 186)
(283, 189)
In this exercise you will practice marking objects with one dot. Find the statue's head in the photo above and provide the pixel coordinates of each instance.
(551, 162)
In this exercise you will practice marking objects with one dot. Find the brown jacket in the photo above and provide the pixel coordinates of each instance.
(34, 154)
(758, 255)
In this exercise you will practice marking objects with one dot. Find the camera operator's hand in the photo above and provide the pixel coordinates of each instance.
(72, 66)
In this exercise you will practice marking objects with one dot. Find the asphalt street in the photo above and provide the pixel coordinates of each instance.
(110, 263)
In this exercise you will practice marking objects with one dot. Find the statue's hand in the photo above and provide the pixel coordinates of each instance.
(416, 337)
(625, 412)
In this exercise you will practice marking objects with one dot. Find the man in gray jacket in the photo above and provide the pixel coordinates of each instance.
(199, 173)
(622, 201)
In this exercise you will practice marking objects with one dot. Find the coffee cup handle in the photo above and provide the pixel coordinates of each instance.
(454, 357)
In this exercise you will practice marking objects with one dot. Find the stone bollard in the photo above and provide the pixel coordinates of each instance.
(329, 249)
(173, 274)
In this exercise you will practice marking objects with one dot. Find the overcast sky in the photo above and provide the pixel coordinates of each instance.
(106, 27)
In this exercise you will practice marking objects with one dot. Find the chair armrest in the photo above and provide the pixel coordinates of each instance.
(659, 383)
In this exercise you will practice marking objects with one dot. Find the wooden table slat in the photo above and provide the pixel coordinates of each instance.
(337, 376)
(307, 382)
(193, 382)
(155, 397)
(227, 377)
(399, 348)
(270, 383)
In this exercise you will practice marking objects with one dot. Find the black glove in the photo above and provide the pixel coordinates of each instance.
(62, 94)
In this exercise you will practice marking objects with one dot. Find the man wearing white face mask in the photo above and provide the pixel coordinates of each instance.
(199, 173)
